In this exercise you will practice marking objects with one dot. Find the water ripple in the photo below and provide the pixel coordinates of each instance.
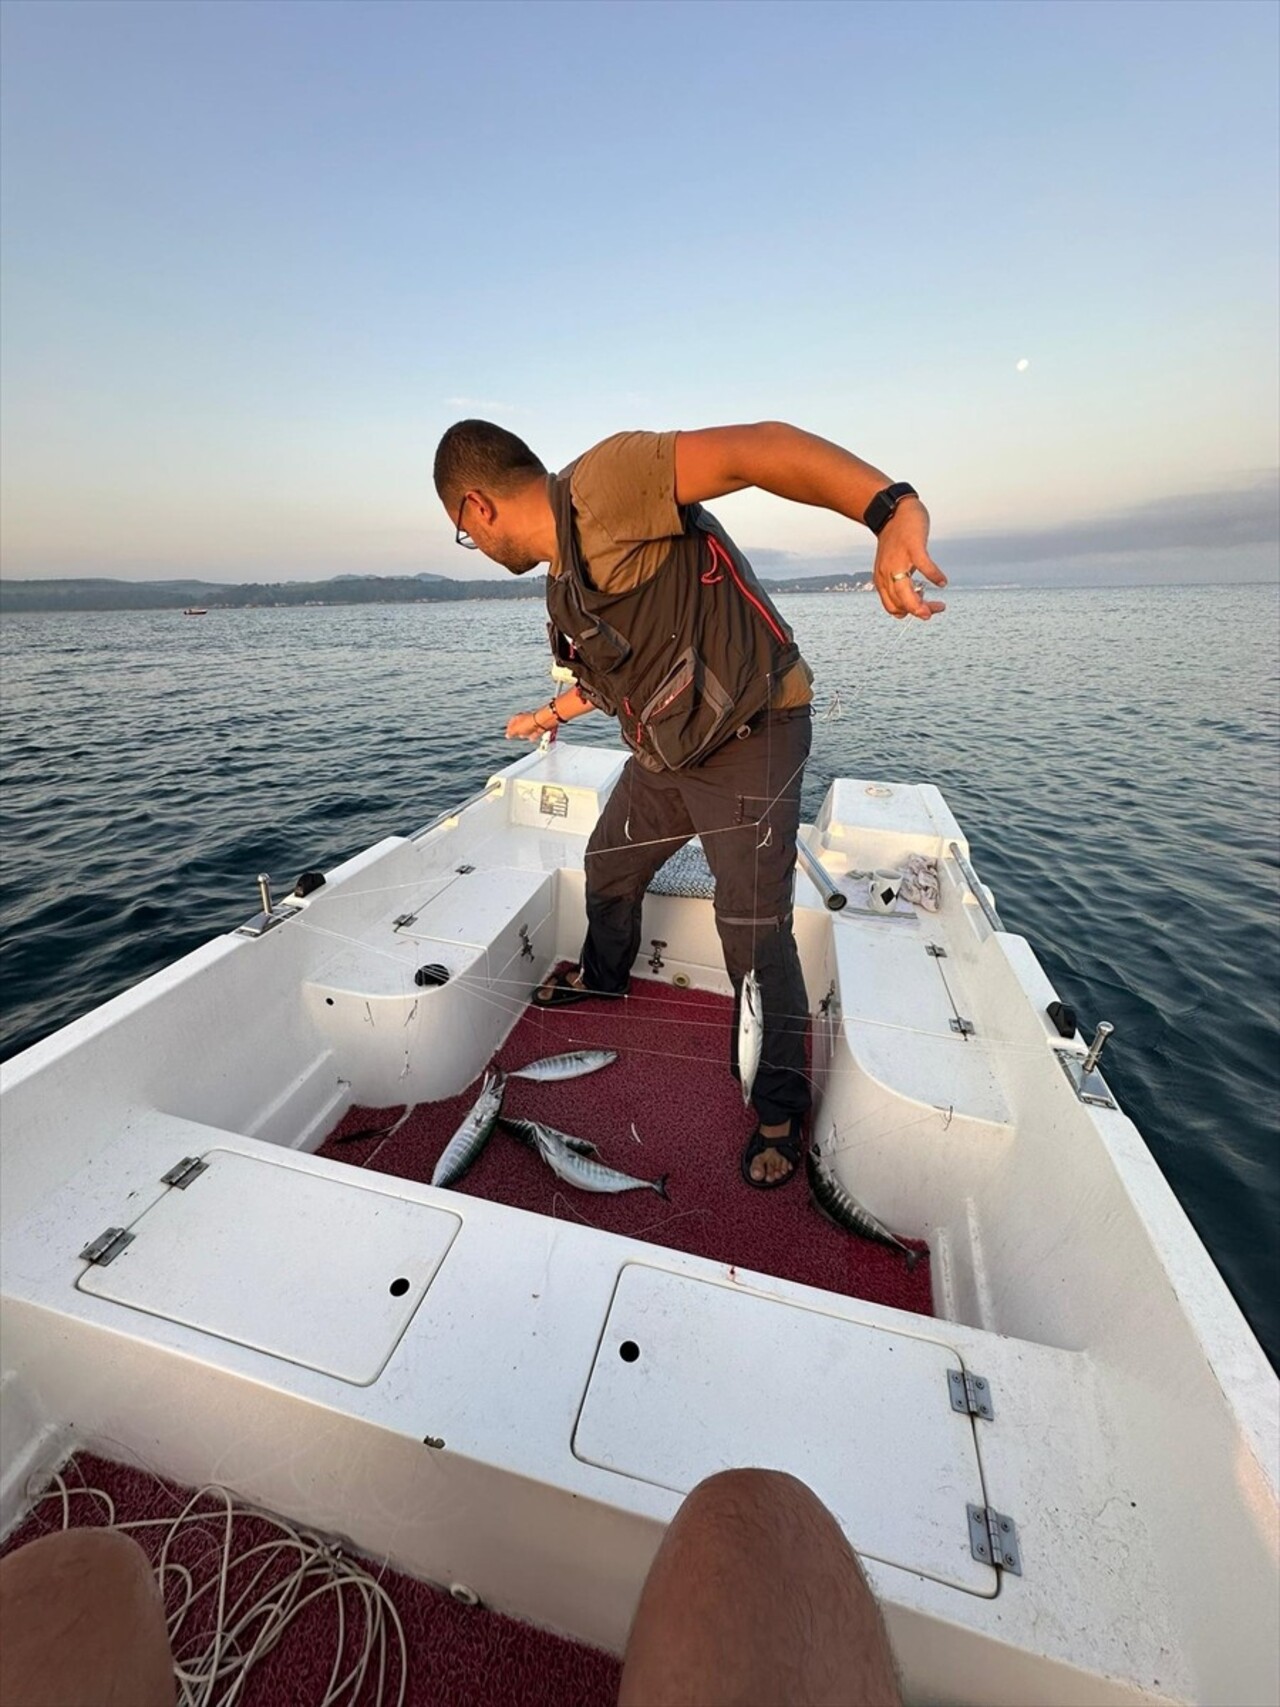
(1112, 756)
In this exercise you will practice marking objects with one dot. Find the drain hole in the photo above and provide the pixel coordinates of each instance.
(628, 1351)
(399, 1287)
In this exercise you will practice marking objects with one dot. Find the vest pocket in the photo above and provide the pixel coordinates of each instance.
(600, 647)
(688, 715)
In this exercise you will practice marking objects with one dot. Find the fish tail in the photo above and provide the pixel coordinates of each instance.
(660, 1186)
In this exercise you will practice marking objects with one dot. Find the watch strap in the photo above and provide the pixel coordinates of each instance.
(885, 503)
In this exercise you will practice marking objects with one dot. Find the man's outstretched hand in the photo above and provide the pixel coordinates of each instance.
(903, 547)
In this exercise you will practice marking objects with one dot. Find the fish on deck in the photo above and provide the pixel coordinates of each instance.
(463, 1149)
(843, 1208)
(573, 1160)
(573, 1066)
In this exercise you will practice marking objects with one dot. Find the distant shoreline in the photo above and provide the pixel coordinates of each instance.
(87, 595)
(208, 597)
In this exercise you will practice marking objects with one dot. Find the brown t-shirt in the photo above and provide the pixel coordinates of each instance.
(624, 498)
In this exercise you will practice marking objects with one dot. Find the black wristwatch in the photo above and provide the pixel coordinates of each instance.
(885, 503)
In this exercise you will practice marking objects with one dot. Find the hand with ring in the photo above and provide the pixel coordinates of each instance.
(902, 552)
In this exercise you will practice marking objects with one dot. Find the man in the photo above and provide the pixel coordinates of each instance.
(664, 625)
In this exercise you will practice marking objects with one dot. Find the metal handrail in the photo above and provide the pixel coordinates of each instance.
(979, 894)
(820, 877)
(494, 787)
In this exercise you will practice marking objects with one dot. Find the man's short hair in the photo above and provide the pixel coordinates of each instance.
(479, 454)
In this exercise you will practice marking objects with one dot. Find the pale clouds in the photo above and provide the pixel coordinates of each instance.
(485, 406)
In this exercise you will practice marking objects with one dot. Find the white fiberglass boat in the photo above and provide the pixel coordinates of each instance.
(1062, 1480)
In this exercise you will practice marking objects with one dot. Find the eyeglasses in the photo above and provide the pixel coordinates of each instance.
(464, 539)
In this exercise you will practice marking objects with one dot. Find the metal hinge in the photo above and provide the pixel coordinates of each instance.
(183, 1172)
(993, 1539)
(107, 1246)
(963, 1026)
(936, 950)
(970, 1394)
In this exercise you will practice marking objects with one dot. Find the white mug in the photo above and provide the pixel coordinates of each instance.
(882, 891)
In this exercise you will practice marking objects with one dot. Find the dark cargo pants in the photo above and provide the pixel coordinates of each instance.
(744, 802)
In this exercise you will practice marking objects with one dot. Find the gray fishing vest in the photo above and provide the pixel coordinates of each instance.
(685, 659)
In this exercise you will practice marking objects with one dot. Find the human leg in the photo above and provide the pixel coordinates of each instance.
(755, 1597)
(746, 804)
(82, 1625)
(643, 823)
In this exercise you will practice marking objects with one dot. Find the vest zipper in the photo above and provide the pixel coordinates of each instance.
(717, 552)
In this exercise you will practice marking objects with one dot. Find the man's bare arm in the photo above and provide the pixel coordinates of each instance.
(801, 466)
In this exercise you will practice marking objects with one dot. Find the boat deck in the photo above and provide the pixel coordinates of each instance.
(455, 1652)
(671, 1087)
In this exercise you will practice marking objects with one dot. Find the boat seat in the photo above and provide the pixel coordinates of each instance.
(487, 937)
(899, 1015)
(685, 874)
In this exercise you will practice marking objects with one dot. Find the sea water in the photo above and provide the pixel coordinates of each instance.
(1111, 754)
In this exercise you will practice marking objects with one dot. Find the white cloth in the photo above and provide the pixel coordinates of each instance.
(920, 882)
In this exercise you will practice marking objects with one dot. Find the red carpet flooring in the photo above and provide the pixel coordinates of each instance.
(671, 1084)
(458, 1656)
(672, 1087)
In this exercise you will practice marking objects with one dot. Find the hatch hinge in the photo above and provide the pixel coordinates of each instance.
(964, 1027)
(971, 1394)
(993, 1539)
(936, 950)
(183, 1172)
(107, 1246)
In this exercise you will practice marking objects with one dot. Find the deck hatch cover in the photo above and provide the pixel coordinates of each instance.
(302, 1266)
(693, 1375)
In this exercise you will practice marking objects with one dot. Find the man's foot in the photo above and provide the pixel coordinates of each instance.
(559, 989)
(772, 1154)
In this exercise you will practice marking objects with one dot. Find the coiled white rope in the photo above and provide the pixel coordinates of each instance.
(213, 1669)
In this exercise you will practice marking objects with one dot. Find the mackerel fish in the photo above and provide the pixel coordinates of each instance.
(840, 1206)
(553, 1067)
(464, 1148)
(567, 1162)
(525, 1131)
(750, 1033)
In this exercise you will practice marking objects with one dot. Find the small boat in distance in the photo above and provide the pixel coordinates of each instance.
(196, 610)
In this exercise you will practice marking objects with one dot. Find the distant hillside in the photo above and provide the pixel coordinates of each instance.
(89, 594)
(102, 594)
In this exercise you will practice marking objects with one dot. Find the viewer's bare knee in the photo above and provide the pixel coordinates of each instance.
(82, 1622)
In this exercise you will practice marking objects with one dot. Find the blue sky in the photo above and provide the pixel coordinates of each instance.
(257, 256)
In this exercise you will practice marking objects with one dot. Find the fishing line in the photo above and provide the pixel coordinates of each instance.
(212, 1670)
(517, 1004)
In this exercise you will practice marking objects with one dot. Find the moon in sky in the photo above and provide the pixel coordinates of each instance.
(1023, 365)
